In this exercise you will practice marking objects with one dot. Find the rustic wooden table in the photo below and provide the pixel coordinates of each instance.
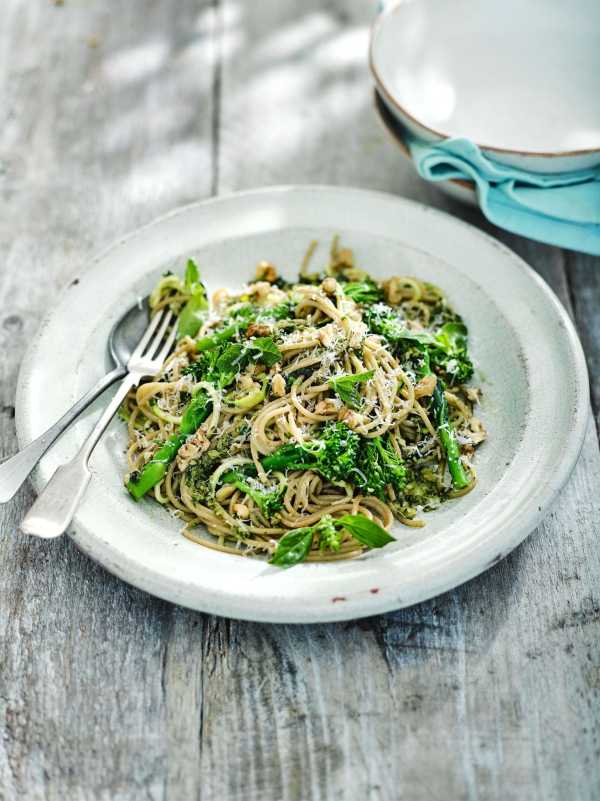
(112, 113)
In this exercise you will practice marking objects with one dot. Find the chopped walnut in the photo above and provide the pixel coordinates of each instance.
(246, 382)
(327, 334)
(473, 394)
(220, 298)
(356, 331)
(478, 430)
(241, 510)
(349, 417)
(259, 330)
(191, 450)
(278, 385)
(265, 271)
(425, 386)
(329, 286)
(327, 406)
(261, 289)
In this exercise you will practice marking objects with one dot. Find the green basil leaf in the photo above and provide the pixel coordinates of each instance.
(230, 362)
(293, 547)
(193, 315)
(365, 531)
(192, 275)
(265, 350)
(345, 387)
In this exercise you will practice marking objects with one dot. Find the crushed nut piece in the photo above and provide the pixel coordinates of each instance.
(473, 394)
(425, 386)
(191, 450)
(241, 510)
(327, 334)
(349, 417)
(329, 286)
(265, 271)
(327, 406)
(259, 330)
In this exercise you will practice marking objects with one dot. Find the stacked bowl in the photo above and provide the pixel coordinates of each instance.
(517, 81)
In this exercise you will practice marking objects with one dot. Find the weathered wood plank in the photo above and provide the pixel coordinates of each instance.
(97, 136)
(489, 692)
(584, 280)
(484, 693)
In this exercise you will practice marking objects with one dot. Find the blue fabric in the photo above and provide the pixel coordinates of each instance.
(561, 209)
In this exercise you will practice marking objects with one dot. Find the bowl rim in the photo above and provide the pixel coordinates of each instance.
(396, 137)
(376, 27)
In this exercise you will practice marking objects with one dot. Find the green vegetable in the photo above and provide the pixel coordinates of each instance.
(330, 537)
(195, 412)
(450, 352)
(345, 387)
(252, 399)
(195, 307)
(333, 453)
(269, 501)
(197, 473)
(221, 360)
(378, 466)
(382, 319)
(214, 340)
(447, 437)
(154, 471)
(363, 291)
(439, 407)
(194, 312)
(264, 350)
(365, 531)
(295, 546)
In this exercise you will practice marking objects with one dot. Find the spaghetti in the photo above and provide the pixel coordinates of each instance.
(297, 406)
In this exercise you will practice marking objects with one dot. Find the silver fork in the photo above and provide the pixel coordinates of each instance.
(55, 506)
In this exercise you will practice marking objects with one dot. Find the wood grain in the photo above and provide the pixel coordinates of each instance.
(111, 115)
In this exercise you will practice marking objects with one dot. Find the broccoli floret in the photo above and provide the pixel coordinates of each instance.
(382, 319)
(330, 536)
(378, 465)
(450, 353)
(269, 501)
(332, 454)
(197, 474)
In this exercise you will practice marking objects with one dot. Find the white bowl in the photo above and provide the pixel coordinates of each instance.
(518, 77)
(457, 188)
(529, 363)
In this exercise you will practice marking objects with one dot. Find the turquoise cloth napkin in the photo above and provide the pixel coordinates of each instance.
(561, 209)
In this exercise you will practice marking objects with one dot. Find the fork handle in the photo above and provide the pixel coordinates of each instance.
(56, 504)
(15, 469)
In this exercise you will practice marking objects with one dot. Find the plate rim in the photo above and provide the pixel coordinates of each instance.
(355, 608)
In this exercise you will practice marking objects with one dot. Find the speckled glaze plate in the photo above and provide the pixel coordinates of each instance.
(529, 364)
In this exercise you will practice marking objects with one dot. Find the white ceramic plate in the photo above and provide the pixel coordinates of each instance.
(519, 77)
(530, 365)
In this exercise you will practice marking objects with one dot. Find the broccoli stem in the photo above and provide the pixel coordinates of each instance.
(288, 457)
(212, 340)
(154, 471)
(439, 407)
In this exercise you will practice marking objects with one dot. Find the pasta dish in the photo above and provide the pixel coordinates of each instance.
(298, 420)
